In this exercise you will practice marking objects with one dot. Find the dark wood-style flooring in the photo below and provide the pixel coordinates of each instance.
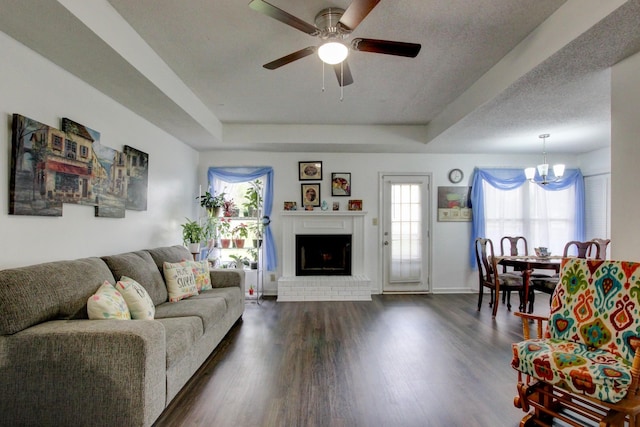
(401, 360)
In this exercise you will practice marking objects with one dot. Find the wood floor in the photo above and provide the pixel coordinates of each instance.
(401, 360)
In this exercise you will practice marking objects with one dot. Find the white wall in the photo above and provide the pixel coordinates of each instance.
(450, 240)
(625, 159)
(36, 88)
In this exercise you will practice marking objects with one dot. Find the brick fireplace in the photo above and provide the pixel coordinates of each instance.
(347, 230)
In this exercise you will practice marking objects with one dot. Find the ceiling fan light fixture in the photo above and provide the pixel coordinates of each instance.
(333, 52)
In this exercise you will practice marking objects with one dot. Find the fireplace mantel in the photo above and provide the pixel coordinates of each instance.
(321, 288)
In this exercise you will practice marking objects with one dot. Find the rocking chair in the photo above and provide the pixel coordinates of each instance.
(586, 366)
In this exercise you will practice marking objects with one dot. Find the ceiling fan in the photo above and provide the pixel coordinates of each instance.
(332, 25)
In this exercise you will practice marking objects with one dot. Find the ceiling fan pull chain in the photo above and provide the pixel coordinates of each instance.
(323, 76)
(341, 81)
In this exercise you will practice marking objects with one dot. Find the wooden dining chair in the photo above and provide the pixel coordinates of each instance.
(517, 245)
(602, 244)
(514, 247)
(489, 277)
(584, 249)
(589, 249)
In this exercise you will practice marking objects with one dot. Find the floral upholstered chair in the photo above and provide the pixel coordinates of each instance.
(587, 361)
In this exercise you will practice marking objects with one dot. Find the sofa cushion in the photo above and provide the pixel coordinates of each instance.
(181, 336)
(574, 367)
(231, 295)
(107, 304)
(137, 298)
(181, 282)
(209, 310)
(140, 267)
(55, 290)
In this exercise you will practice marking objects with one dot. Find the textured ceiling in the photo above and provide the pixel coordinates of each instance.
(195, 69)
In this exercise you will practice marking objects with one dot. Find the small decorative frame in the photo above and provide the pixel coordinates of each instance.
(310, 171)
(341, 184)
(355, 205)
(290, 206)
(310, 194)
(336, 206)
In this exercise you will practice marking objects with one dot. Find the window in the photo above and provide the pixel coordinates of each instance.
(84, 151)
(70, 149)
(504, 203)
(545, 218)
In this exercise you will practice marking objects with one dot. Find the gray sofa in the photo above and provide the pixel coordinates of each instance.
(58, 368)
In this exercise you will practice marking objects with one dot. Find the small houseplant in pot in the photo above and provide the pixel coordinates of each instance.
(240, 232)
(192, 235)
(255, 228)
(224, 231)
(212, 203)
(253, 198)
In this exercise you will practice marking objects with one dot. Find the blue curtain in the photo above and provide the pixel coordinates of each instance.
(510, 179)
(244, 174)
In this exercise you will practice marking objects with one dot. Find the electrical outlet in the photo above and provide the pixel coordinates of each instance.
(272, 277)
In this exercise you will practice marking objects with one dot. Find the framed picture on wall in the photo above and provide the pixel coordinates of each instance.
(310, 171)
(454, 204)
(340, 184)
(310, 194)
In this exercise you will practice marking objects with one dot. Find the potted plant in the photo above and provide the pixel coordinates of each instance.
(255, 228)
(253, 198)
(239, 233)
(229, 208)
(192, 235)
(211, 236)
(224, 231)
(253, 256)
(240, 261)
(212, 203)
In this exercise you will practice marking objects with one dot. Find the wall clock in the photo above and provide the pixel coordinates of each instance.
(455, 175)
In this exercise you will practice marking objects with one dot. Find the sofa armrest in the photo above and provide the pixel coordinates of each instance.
(226, 277)
(84, 372)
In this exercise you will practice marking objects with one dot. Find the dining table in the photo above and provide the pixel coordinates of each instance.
(526, 264)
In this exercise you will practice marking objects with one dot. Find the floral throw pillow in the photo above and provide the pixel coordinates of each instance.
(200, 270)
(181, 282)
(107, 303)
(137, 298)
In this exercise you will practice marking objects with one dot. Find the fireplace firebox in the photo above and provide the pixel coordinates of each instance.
(323, 255)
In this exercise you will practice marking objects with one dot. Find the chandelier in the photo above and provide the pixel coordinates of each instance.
(543, 169)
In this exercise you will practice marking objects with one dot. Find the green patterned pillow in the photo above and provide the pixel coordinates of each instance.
(137, 298)
(200, 270)
(181, 282)
(107, 303)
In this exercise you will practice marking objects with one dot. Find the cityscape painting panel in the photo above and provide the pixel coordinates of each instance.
(138, 178)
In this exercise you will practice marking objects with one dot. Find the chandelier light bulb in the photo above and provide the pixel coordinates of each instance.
(333, 53)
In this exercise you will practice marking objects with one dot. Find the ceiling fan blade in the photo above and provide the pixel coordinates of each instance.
(290, 58)
(387, 47)
(282, 16)
(344, 74)
(356, 12)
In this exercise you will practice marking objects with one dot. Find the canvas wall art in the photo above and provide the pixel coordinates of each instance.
(454, 204)
(50, 167)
